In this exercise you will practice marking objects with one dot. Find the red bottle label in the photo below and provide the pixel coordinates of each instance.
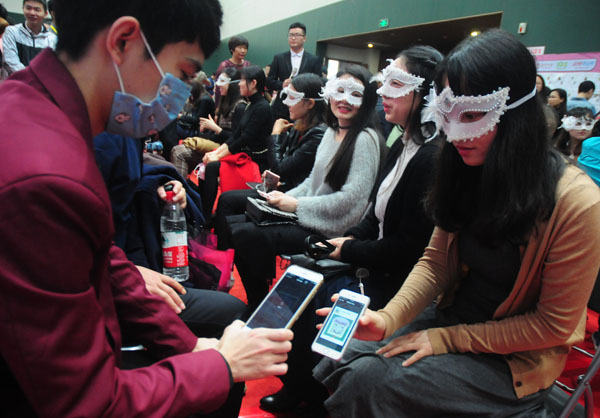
(175, 250)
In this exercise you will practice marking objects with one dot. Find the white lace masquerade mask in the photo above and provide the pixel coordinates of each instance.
(571, 123)
(397, 82)
(451, 113)
(224, 79)
(292, 97)
(347, 89)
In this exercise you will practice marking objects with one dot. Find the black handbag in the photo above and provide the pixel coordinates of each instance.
(315, 258)
(263, 214)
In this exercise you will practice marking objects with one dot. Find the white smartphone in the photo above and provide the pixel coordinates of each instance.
(340, 324)
(288, 298)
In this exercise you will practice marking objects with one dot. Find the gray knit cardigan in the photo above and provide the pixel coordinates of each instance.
(329, 212)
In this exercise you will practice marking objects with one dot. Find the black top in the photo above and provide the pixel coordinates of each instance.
(294, 155)
(406, 228)
(252, 135)
(227, 123)
(190, 119)
(490, 275)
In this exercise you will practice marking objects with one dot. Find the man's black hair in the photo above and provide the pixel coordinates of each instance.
(586, 86)
(50, 6)
(3, 12)
(42, 2)
(163, 22)
(236, 41)
(298, 25)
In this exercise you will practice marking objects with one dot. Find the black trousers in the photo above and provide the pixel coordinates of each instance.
(231, 203)
(209, 187)
(256, 248)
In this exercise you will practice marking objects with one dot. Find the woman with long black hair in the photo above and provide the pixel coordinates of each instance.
(212, 131)
(389, 240)
(332, 198)
(251, 135)
(511, 262)
(294, 147)
(576, 126)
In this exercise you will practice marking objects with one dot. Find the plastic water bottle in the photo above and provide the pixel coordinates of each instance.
(173, 231)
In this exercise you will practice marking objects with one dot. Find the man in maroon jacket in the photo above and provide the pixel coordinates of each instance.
(67, 293)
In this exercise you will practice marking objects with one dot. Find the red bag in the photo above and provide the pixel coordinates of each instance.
(236, 170)
(210, 268)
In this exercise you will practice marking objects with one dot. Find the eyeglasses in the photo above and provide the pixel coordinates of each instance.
(295, 35)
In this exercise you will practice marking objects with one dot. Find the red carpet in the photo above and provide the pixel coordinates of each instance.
(258, 388)
(577, 364)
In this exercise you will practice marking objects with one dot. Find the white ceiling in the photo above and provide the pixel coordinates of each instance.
(244, 15)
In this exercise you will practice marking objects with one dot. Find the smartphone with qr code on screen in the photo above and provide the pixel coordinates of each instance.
(339, 326)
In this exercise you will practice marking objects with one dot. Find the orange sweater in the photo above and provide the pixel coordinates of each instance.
(544, 315)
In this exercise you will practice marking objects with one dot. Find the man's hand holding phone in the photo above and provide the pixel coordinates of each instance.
(255, 353)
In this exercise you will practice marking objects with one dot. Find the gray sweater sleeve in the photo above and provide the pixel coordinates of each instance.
(302, 189)
(331, 214)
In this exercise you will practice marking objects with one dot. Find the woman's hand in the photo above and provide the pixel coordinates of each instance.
(417, 341)
(371, 325)
(282, 201)
(210, 157)
(281, 125)
(210, 124)
(179, 191)
(338, 242)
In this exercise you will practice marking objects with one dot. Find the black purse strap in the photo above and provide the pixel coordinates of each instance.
(317, 247)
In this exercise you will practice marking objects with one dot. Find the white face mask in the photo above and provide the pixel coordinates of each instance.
(347, 89)
(448, 111)
(397, 82)
(571, 123)
(224, 79)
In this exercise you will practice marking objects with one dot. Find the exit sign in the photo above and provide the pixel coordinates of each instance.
(384, 23)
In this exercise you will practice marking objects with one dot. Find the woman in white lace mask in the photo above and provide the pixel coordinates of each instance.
(391, 237)
(576, 126)
(511, 262)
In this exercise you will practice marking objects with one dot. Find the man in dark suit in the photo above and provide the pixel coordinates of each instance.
(289, 64)
(67, 292)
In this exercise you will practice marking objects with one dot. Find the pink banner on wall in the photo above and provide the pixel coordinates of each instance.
(567, 71)
(588, 61)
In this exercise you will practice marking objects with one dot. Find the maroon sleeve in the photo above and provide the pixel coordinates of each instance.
(142, 316)
(59, 335)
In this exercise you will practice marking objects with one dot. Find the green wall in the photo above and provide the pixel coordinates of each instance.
(16, 17)
(559, 25)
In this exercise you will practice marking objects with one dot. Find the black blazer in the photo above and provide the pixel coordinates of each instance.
(406, 228)
(281, 69)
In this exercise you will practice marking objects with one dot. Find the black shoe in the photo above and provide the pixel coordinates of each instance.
(282, 401)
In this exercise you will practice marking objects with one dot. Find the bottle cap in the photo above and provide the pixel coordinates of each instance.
(169, 191)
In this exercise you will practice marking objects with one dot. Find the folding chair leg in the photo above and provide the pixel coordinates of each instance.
(584, 388)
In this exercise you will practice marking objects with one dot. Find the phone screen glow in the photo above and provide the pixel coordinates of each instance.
(282, 303)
